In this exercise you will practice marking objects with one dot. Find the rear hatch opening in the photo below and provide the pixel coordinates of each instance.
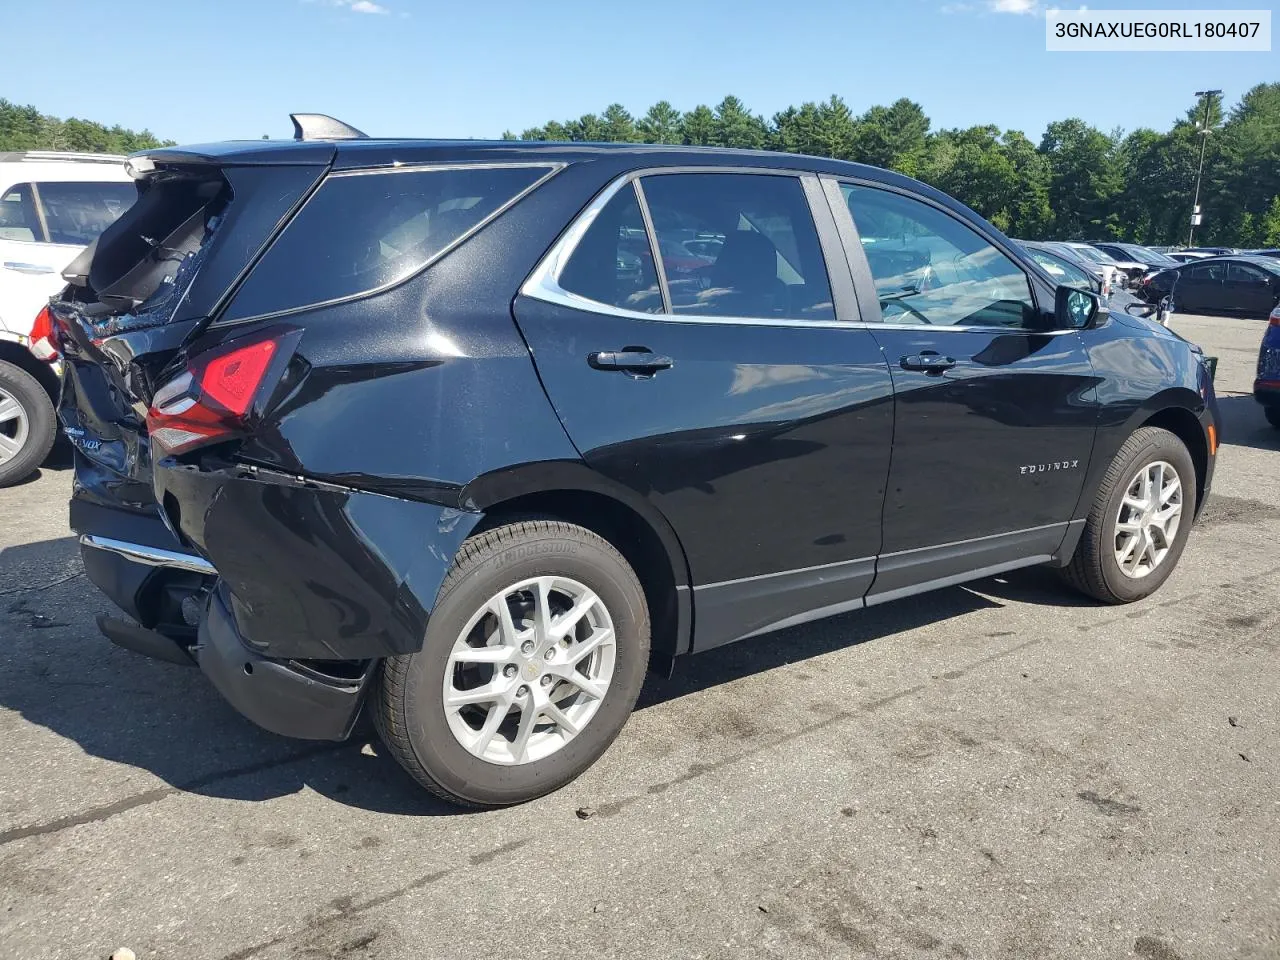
(134, 276)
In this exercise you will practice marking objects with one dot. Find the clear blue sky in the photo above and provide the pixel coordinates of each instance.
(199, 70)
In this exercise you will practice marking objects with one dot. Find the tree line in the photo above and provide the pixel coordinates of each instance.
(1077, 183)
(26, 128)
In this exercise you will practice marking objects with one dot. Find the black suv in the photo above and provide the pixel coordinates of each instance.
(466, 433)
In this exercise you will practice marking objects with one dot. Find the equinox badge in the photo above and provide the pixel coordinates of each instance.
(1047, 467)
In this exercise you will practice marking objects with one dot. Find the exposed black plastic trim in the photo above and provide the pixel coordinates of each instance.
(736, 609)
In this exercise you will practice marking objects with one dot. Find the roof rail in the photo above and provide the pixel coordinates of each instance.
(319, 126)
(43, 155)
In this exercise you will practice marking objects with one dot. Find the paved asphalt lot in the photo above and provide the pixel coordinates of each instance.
(1002, 770)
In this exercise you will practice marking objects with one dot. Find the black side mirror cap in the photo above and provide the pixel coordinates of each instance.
(1076, 309)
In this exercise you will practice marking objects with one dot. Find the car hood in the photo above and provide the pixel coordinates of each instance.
(1147, 325)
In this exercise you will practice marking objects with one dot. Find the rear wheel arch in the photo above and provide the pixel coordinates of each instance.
(643, 537)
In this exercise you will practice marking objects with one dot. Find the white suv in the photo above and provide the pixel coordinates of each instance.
(52, 205)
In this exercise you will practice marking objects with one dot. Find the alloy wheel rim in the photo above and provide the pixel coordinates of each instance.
(529, 670)
(1148, 519)
(14, 426)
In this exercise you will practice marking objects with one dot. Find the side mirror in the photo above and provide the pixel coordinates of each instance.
(1076, 309)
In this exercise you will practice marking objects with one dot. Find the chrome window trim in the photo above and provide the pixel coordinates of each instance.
(552, 169)
(544, 282)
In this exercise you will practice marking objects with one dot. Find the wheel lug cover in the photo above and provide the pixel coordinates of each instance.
(546, 680)
(509, 670)
(527, 647)
(550, 654)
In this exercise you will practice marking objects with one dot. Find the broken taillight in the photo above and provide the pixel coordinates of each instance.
(42, 337)
(214, 398)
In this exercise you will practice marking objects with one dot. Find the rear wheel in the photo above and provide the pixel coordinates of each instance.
(534, 657)
(27, 424)
(1273, 415)
(1140, 520)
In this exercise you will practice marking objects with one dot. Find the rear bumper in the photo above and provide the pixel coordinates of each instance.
(1267, 392)
(131, 556)
(278, 695)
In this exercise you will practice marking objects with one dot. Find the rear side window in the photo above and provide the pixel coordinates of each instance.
(18, 220)
(364, 231)
(76, 213)
(739, 245)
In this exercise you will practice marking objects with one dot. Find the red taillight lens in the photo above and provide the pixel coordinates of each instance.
(212, 399)
(42, 337)
(1274, 319)
(232, 379)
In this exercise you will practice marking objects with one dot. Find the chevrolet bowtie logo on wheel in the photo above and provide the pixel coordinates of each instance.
(1047, 467)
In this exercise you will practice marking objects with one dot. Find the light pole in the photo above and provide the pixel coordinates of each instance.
(1207, 96)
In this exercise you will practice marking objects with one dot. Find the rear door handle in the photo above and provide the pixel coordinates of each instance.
(634, 361)
(17, 267)
(928, 362)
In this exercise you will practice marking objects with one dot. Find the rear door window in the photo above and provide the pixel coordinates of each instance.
(76, 213)
(739, 245)
(18, 219)
(1243, 273)
(363, 231)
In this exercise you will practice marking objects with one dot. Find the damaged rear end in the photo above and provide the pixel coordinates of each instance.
(249, 491)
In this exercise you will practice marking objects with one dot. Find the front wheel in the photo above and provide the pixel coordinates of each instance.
(533, 659)
(1140, 520)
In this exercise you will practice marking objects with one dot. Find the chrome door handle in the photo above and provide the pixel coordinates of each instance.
(927, 362)
(33, 268)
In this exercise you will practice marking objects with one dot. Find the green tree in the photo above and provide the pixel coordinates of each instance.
(26, 128)
(618, 125)
(1084, 179)
(662, 124)
(972, 164)
(736, 127)
(894, 137)
(588, 128)
(1269, 227)
(700, 126)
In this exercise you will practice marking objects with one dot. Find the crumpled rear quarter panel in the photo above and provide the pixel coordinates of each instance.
(317, 573)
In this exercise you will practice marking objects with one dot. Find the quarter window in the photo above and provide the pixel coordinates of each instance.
(77, 212)
(363, 231)
(613, 263)
(738, 245)
(929, 268)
